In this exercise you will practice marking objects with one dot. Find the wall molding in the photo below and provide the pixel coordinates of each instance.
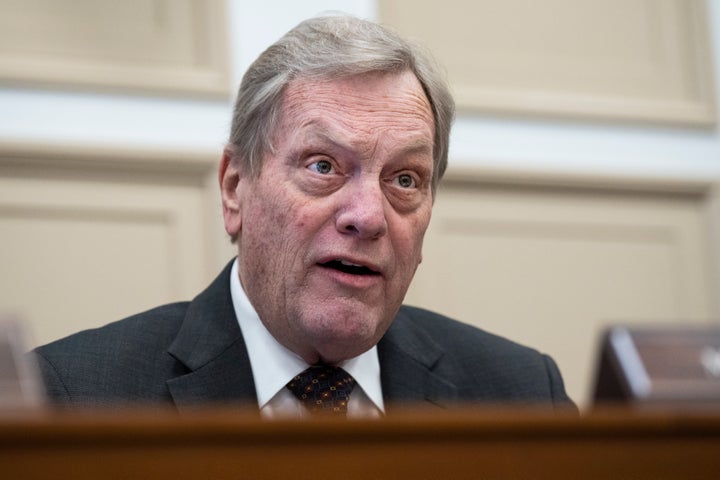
(76, 156)
(651, 182)
(149, 46)
(105, 163)
(646, 61)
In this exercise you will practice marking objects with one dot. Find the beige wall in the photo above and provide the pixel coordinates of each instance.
(551, 264)
(90, 236)
(642, 60)
(552, 259)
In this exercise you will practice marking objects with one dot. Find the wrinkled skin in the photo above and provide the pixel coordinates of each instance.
(330, 233)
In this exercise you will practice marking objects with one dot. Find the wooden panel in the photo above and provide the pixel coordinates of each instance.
(644, 60)
(160, 45)
(550, 266)
(457, 445)
(91, 239)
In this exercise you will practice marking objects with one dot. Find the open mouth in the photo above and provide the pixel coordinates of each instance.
(348, 267)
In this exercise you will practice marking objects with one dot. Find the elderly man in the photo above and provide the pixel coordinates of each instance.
(339, 139)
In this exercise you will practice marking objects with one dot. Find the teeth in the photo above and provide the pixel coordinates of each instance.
(348, 264)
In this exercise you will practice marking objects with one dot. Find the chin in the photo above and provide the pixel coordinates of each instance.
(338, 353)
(337, 342)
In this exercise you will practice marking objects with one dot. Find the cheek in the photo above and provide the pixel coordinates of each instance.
(262, 233)
(412, 237)
(283, 229)
(270, 212)
(302, 220)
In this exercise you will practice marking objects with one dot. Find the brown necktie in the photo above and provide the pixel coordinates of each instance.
(323, 389)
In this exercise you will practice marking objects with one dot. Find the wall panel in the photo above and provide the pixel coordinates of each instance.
(89, 237)
(550, 266)
(148, 45)
(646, 60)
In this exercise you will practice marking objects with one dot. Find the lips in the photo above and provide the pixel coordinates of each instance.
(352, 268)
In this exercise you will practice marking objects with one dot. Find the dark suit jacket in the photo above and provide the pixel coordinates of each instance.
(193, 353)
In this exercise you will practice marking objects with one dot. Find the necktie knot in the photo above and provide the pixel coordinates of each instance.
(323, 389)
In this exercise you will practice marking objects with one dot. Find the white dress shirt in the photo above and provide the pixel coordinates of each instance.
(273, 366)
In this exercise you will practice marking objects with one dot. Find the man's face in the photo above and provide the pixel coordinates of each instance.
(330, 233)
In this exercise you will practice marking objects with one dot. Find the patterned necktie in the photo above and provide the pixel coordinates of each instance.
(323, 389)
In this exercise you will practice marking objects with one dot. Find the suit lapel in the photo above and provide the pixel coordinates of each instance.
(408, 357)
(210, 345)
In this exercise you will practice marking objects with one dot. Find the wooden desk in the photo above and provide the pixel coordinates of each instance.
(459, 445)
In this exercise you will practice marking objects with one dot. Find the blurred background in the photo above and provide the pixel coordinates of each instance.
(583, 188)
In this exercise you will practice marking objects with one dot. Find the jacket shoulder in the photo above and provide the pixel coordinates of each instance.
(143, 329)
(456, 336)
(486, 367)
(128, 355)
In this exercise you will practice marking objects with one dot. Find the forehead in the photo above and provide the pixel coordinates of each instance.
(372, 103)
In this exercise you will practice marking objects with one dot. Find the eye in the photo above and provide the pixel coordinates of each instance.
(405, 180)
(323, 167)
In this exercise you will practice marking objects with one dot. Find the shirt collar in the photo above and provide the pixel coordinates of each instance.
(273, 365)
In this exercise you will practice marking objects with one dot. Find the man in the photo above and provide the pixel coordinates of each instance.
(339, 139)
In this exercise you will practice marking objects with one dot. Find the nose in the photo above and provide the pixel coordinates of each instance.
(363, 211)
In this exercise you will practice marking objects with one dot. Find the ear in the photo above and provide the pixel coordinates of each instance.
(229, 179)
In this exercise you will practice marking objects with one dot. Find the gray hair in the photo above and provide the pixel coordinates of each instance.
(331, 47)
